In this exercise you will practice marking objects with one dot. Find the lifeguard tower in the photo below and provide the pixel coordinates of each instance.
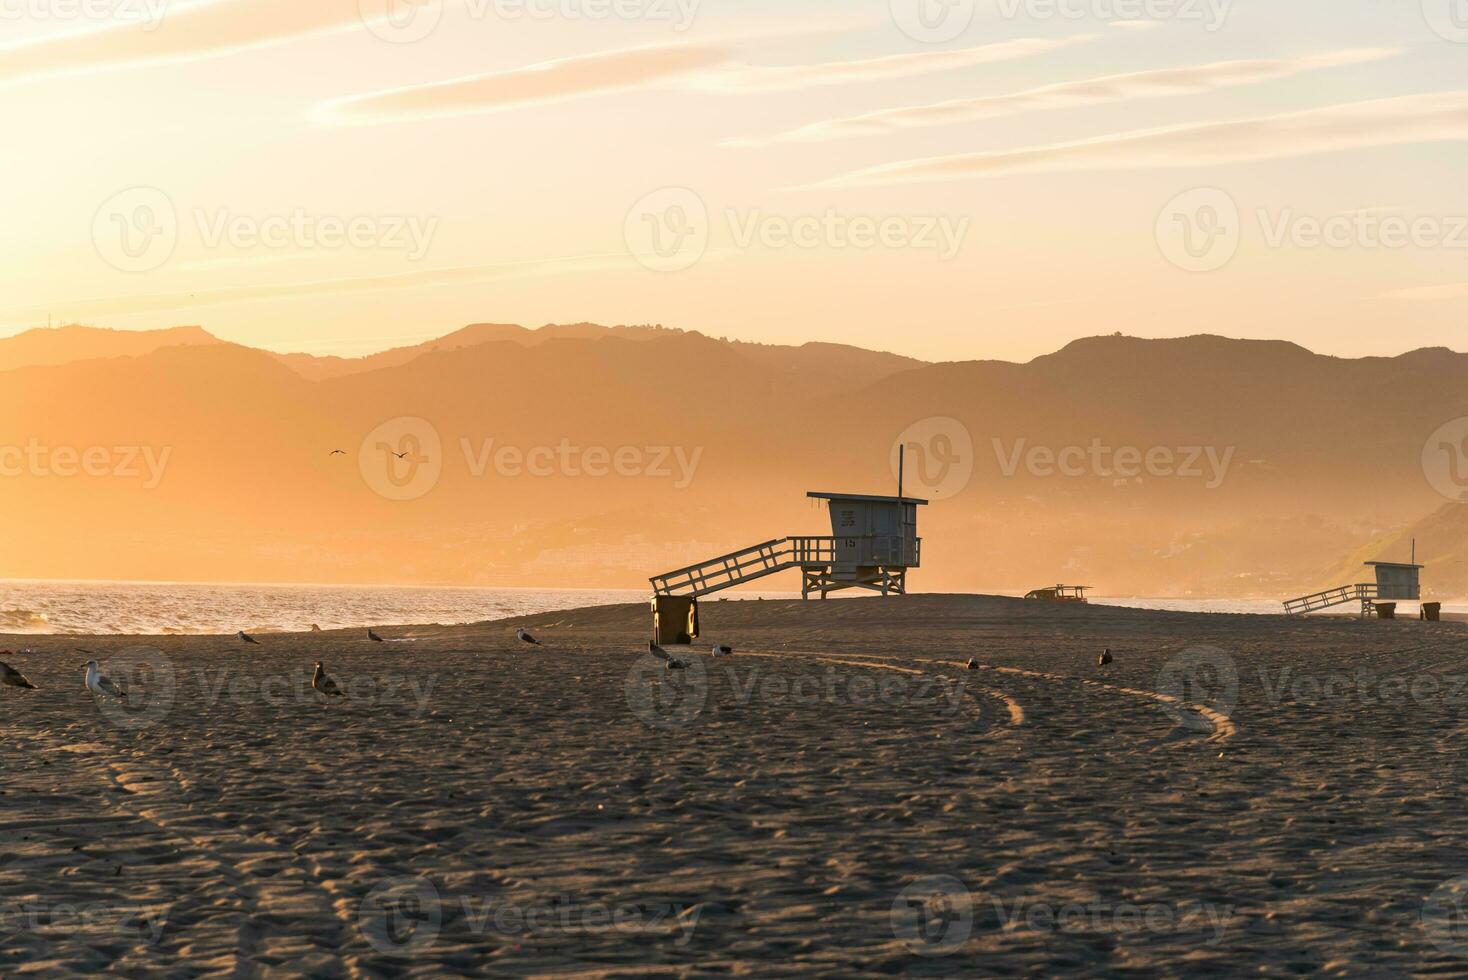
(1395, 581)
(873, 542)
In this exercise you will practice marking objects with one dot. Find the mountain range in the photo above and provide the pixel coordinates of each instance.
(583, 455)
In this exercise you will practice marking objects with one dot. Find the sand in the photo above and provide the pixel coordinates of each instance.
(839, 797)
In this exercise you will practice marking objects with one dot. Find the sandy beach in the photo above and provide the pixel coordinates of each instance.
(1232, 795)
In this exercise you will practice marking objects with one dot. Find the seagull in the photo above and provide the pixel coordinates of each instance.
(673, 663)
(372, 635)
(315, 628)
(101, 685)
(246, 637)
(723, 650)
(525, 637)
(323, 684)
(337, 452)
(1105, 658)
(10, 677)
(973, 664)
(401, 455)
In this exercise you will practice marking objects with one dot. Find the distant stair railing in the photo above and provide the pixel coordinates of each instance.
(770, 557)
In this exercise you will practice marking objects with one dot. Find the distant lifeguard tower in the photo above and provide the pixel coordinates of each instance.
(1395, 581)
(873, 542)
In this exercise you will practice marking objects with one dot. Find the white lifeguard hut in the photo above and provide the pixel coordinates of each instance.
(1395, 582)
(872, 544)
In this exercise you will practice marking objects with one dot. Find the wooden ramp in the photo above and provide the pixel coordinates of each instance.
(876, 562)
(1364, 593)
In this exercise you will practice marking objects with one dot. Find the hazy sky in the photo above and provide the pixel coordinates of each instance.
(945, 178)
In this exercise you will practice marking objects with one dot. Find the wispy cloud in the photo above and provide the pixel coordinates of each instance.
(550, 81)
(1425, 118)
(1431, 294)
(264, 292)
(773, 78)
(1192, 80)
(169, 32)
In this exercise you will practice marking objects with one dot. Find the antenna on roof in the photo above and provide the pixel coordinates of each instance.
(1414, 551)
(901, 451)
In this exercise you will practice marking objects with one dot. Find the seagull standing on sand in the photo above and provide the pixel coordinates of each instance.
(973, 664)
(372, 635)
(324, 685)
(101, 685)
(525, 637)
(672, 662)
(723, 650)
(10, 677)
(246, 637)
(1105, 658)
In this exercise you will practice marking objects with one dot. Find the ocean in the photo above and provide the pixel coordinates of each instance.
(40, 607)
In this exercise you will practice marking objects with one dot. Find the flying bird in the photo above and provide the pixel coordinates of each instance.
(673, 663)
(723, 650)
(401, 455)
(372, 635)
(337, 452)
(1105, 658)
(10, 677)
(246, 637)
(525, 637)
(324, 685)
(102, 685)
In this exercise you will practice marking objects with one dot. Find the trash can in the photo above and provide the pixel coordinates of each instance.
(1386, 610)
(1432, 611)
(674, 619)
